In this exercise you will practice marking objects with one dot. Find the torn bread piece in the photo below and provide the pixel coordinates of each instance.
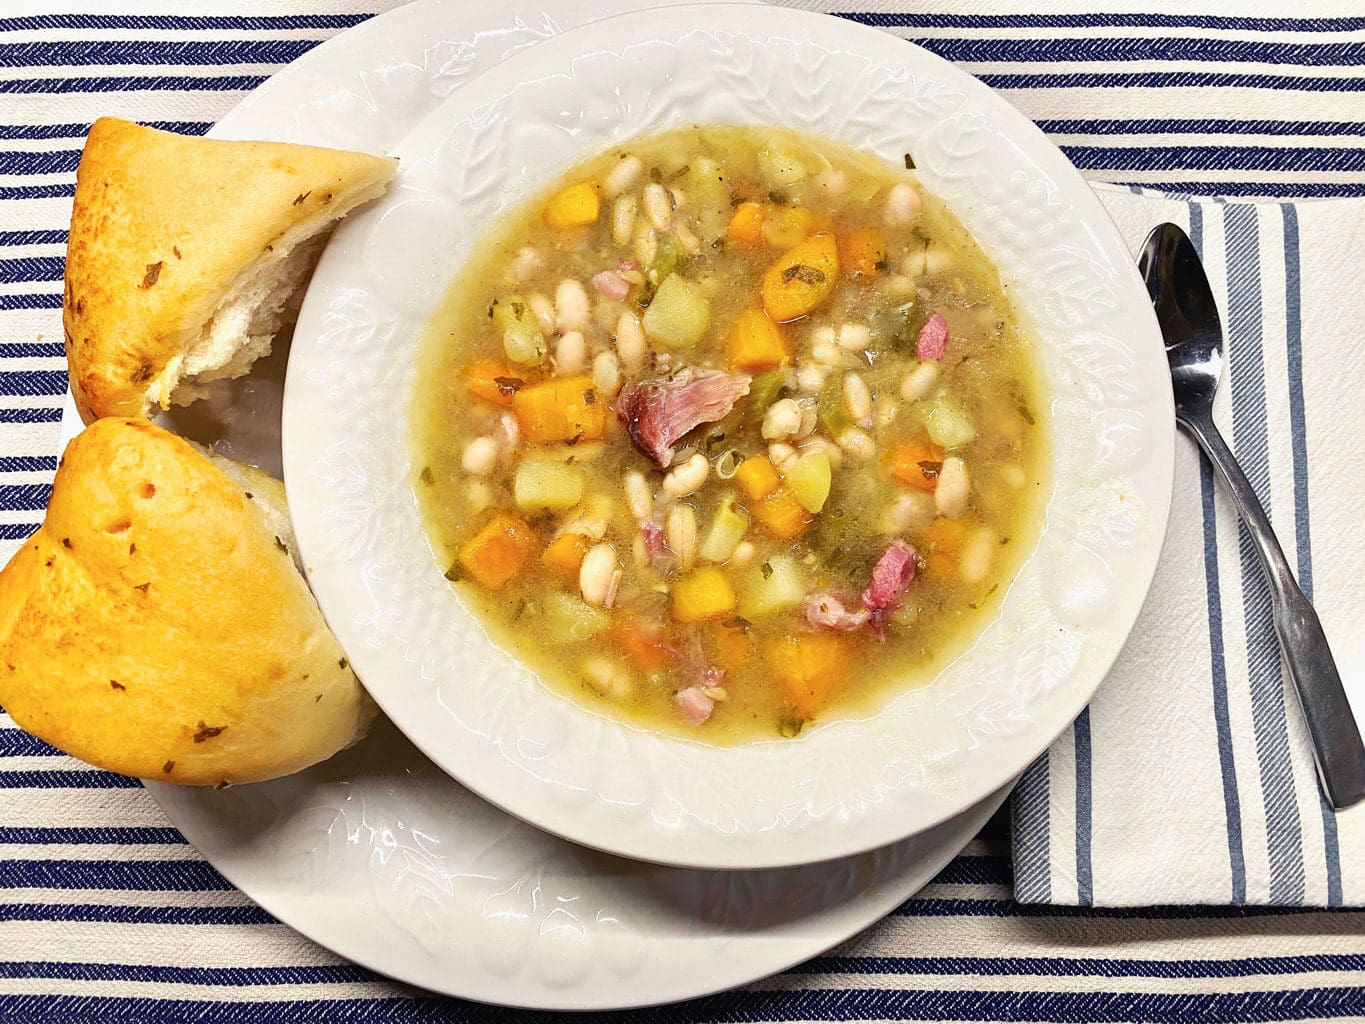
(186, 255)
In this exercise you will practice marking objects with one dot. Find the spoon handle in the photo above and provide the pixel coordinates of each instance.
(1337, 747)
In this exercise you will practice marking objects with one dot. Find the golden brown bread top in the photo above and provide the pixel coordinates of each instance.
(156, 627)
(161, 227)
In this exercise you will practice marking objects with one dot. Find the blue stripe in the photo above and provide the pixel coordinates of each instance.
(32, 237)
(1085, 882)
(303, 974)
(1031, 811)
(88, 54)
(1265, 676)
(122, 875)
(1079, 967)
(1174, 159)
(33, 382)
(146, 83)
(1281, 189)
(28, 463)
(30, 416)
(38, 300)
(1169, 80)
(1298, 433)
(78, 131)
(99, 836)
(105, 914)
(53, 191)
(24, 269)
(26, 161)
(24, 497)
(940, 907)
(919, 19)
(31, 23)
(739, 1007)
(1196, 126)
(1150, 48)
(975, 870)
(17, 743)
(17, 531)
(31, 349)
(85, 778)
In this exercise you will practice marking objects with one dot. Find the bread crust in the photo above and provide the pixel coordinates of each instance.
(162, 226)
(155, 626)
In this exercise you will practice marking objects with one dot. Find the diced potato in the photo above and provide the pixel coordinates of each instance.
(679, 315)
(574, 207)
(809, 480)
(708, 197)
(727, 530)
(948, 423)
(546, 484)
(772, 586)
(522, 341)
(701, 595)
(780, 168)
(786, 225)
(570, 620)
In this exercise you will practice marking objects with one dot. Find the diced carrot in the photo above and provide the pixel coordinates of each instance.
(939, 565)
(781, 514)
(945, 535)
(756, 343)
(645, 643)
(564, 556)
(916, 463)
(756, 478)
(563, 409)
(801, 279)
(808, 668)
(863, 251)
(499, 552)
(730, 647)
(785, 226)
(701, 595)
(746, 225)
(573, 207)
(493, 381)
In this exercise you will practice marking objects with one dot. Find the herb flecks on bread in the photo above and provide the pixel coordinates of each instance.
(156, 624)
(185, 254)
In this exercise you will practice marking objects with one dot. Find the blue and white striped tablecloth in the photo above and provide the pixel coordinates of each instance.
(106, 914)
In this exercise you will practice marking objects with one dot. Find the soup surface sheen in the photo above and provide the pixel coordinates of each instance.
(728, 430)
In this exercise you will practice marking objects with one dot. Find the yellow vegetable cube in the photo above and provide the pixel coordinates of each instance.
(573, 207)
(704, 594)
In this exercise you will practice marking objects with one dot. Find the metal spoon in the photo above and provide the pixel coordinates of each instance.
(1194, 348)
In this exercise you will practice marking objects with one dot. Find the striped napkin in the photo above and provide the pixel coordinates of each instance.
(1190, 779)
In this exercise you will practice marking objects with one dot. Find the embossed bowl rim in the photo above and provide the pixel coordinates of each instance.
(847, 785)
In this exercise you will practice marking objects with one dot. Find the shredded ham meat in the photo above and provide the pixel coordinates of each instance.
(658, 412)
(933, 338)
(891, 577)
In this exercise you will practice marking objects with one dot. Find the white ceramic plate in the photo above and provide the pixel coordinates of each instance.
(844, 786)
(381, 857)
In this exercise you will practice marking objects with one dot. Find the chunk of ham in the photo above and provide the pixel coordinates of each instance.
(891, 577)
(933, 338)
(694, 704)
(658, 412)
(825, 611)
(656, 547)
(611, 284)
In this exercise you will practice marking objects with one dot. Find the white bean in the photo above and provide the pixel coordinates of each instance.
(687, 478)
(646, 243)
(630, 341)
(886, 411)
(606, 374)
(608, 678)
(857, 444)
(571, 306)
(692, 244)
(833, 181)
(658, 206)
(911, 511)
(953, 489)
(622, 176)
(811, 376)
(595, 574)
(638, 495)
(827, 352)
(781, 456)
(744, 553)
(899, 286)
(920, 381)
(903, 205)
(623, 219)
(480, 456)
(571, 353)
(809, 418)
(526, 262)
(937, 259)
(478, 496)
(1013, 476)
(783, 419)
(680, 532)
(544, 311)
(855, 337)
(858, 400)
(977, 555)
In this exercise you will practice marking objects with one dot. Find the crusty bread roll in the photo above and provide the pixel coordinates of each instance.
(184, 254)
(156, 624)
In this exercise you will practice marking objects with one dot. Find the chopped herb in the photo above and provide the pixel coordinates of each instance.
(343, 663)
(719, 243)
(132, 549)
(327, 197)
(779, 198)
(249, 495)
(453, 573)
(680, 172)
(66, 543)
(509, 386)
(427, 477)
(166, 768)
(570, 460)
(994, 588)
(766, 569)
(117, 685)
(174, 249)
(881, 264)
(590, 397)
(223, 785)
(803, 273)
(740, 623)
(790, 727)
(1025, 412)
(714, 438)
(522, 605)
(152, 274)
(144, 587)
(207, 732)
(492, 306)
(736, 200)
(656, 175)
(142, 373)
(909, 162)
(317, 698)
(298, 199)
(930, 469)
(518, 309)
(576, 438)
(281, 545)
